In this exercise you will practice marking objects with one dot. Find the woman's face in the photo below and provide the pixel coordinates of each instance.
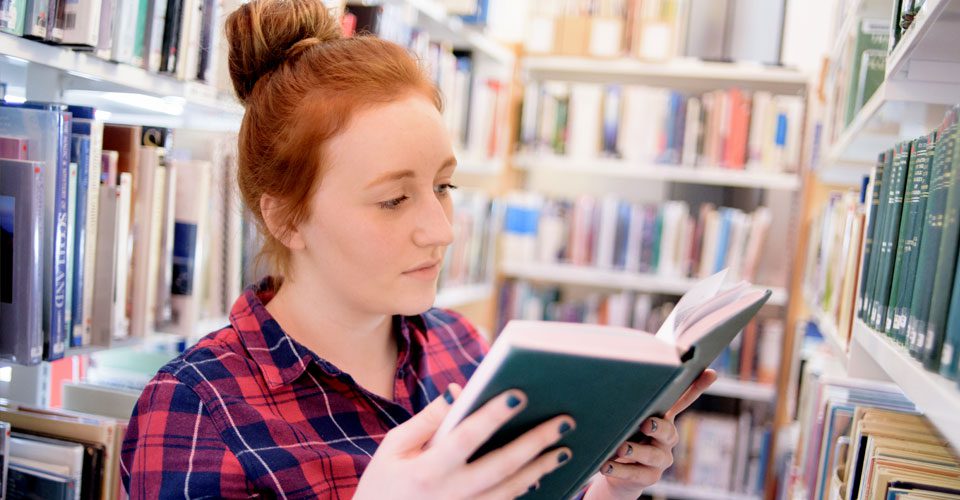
(380, 219)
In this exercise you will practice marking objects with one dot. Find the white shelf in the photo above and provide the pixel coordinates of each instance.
(610, 167)
(611, 279)
(434, 18)
(828, 328)
(928, 49)
(448, 298)
(936, 396)
(682, 74)
(682, 491)
(733, 388)
(84, 71)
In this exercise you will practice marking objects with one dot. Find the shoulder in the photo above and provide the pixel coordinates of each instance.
(452, 340)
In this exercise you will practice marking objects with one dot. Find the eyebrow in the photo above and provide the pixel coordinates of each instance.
(406, 174)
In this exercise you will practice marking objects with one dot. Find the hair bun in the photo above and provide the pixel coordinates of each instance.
(263, 34)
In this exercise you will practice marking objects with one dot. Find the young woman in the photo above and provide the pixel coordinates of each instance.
(328, 380)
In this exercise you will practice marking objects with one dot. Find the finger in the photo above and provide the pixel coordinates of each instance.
(476, 429)
(416, 432)
(528, 479)
(696, 389)
(644, 454)
(641, 475)
(663, 432)
(505, 461)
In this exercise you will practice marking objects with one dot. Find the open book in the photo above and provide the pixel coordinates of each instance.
(610, 379)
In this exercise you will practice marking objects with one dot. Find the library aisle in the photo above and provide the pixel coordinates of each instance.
(612, 157)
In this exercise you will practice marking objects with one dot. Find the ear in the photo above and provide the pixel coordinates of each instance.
(286, 234)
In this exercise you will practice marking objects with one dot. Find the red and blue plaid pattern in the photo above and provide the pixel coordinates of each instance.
(248, 411)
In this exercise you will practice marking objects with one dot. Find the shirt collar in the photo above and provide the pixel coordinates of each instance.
(282, 359)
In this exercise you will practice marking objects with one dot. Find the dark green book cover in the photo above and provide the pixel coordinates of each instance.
(946, 263)
(869, 295)
(891, 231)
(950, 354)
(914, 202)
(869, 233)
(608, 397)
(940, 181)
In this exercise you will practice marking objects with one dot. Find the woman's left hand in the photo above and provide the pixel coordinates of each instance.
(639, 465)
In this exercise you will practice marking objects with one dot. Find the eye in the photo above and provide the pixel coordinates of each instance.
(394, 203)
(444, 189)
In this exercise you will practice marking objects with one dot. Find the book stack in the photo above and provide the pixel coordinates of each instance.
(611, 233)
(475, 103)
(859, 65)
(469, 259)
(752, 356)
(731, 128)
(862, 439)
(110, 232)
(64, 453)
(183, 38)
(721, 452)
(659, 30)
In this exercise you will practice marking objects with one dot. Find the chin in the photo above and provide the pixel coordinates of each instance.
(413, 303)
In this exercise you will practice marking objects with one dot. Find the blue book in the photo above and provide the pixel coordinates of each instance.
(623, 232)
(723, 239)
(80, 154)
(48, 134)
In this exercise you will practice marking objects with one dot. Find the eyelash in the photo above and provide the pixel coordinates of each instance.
(440, 190)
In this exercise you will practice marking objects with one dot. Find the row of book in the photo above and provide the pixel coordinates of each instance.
(859, 70)
(724, 128)
(108, 233)
(832, 257)
(611, 233)
(470, 258)
(908, 289)
(720, 452)
(717, 30)
(177, 37)
(71, 453)
(475, 103)
(862, 439)
(753, 356)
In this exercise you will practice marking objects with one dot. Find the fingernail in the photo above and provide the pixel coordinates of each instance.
(629, 450)
(653, 425)
(448, 396)
(564, 427)
(512, 401)
(563, 457)
(608, 469)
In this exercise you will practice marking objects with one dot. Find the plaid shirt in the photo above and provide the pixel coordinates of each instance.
(250, 412)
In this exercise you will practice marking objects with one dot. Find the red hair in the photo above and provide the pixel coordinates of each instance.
(300, 82)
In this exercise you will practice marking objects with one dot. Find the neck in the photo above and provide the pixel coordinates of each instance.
(356, 341)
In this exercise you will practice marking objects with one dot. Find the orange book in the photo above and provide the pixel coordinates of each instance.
(739, 130)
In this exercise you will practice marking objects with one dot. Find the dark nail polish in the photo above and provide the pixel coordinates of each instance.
(629, 450)
(513, 401)
(608, 470)
(563, 457)
(533, 487)
(653, 425)
(448, 397)
(564, 427)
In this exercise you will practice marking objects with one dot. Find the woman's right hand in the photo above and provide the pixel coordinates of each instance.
(401, 468)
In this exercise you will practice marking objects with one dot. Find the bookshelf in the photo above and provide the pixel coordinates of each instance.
(669, 490)
(432, 16)
(620, 169)
(925, 53)
(610, 279)
(743, 389)
(874, 356)
(684, 74)
(828, 328)
(456, 296)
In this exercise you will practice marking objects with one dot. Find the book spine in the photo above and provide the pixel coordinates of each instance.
(92, 224)
(905, 233)
(872, 246)
(890, 235)
(941, 179)
(81, 157)
(893, 167)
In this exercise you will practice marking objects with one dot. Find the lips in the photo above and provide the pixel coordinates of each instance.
(426, 266)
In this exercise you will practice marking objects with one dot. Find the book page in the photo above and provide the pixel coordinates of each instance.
(700, 293)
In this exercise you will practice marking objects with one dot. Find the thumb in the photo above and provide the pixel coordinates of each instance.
(416, 432)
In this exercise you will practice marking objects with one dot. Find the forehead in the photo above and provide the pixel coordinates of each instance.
(404, 134)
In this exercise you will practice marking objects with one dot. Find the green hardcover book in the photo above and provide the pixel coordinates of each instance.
(608, 379)
(932, 341)
(12, 16)
(868, 245)
(878, 236)
(872, 34)
(138, 41)
(889, 235)
(873, 65)
(940, 180)
(915, 206)
(950, 354)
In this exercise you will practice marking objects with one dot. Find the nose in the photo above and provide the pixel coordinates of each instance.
(434, 223)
